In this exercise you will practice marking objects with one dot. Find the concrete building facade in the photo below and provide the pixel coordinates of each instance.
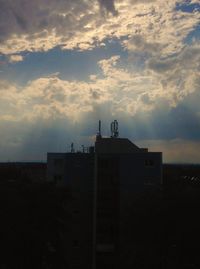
(103, 186)
(122, 170)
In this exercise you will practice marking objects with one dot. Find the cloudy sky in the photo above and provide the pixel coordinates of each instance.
(65, 64)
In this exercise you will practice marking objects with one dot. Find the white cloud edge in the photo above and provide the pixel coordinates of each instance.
(14, 58)
(154, 21)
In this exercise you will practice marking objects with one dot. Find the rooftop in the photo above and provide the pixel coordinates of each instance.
(116, 145)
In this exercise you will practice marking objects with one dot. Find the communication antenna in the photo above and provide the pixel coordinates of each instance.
(72, 148)
(83, 148)
(114, 129)
(99, 132)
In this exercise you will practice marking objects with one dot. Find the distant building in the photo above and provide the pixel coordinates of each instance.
(23, 172)
(103, 184)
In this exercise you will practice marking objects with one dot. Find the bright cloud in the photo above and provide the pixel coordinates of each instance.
(52, 97)
(40, 26)
(162, 80)
(154, 91)
(15, 58)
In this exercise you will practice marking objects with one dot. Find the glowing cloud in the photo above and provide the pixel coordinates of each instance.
(15, 58)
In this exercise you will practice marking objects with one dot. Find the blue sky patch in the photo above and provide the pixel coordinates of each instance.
(188, 7)
(71, 65)
(194, 35)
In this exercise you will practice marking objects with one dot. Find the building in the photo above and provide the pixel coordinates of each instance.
(104, 184)
(122, 170)
(22, 172)
(75, 171)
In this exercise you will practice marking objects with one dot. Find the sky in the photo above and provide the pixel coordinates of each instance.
(66, 64)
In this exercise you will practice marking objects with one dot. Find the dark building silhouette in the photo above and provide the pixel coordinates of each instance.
(23, 172)
(75, 170)
(104, 183)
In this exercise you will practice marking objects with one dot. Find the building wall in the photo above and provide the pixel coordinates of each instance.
(55, 167)
(22, 172)
(75, 170)
(79, 176)
(139, 173)
(119, 178)
(103, 188)
(106, 211)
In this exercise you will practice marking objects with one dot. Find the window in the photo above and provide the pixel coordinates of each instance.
(78, 164)
(104, 164)
(76, 212)
(105, 247)
(75, 244)
(57, 178)
(58, 162)
(149, 182)
(149, 163)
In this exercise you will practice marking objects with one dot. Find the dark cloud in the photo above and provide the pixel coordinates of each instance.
(146, 99)
(164, 123)
(161, 66)
(188, 58)
(32, 20)
(30, 17)
(109, 5)
(95, 95)
(180, 122)
(139, 45)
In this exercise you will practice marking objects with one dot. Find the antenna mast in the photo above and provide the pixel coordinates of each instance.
(99, 131)
(72, 147)
(114, 129)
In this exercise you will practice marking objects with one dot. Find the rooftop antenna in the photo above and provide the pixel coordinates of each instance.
(99, 132)
(114, 129)
(72, 147)
(83, 148)
(99, 128)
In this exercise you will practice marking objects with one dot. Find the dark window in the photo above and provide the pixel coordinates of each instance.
(75, 211)
(58, 162)
(75, 243)
(104, 164)
(77, 164)
(148, 182)
(149, 163)
(57, 178)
